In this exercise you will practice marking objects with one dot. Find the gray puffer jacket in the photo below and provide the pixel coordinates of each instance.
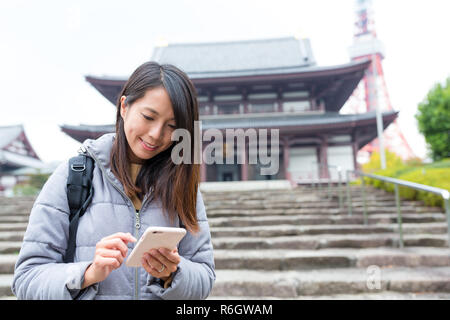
(41, 274)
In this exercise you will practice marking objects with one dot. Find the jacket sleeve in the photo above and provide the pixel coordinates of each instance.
(195, 275)
(40, 272)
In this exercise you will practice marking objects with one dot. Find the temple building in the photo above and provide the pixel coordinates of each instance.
(16, 155)
(15, 150)
(266, 84)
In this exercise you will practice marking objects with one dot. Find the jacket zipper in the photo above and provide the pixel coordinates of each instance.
(127, 199)
(137, 224)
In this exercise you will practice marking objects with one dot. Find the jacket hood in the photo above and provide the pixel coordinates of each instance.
(100, 149)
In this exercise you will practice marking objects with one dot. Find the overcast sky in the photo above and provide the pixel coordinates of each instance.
(48, 47)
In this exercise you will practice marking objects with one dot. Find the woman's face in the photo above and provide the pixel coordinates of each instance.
(148, 123)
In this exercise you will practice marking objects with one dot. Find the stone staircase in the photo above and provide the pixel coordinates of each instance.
(298, 244)
(14, 213)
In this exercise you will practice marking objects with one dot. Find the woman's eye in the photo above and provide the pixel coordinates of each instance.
(172, 126)
(147, 117)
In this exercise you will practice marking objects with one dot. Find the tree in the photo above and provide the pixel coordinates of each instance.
(433, 118)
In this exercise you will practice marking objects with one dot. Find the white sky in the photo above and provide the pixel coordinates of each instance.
(47, 48)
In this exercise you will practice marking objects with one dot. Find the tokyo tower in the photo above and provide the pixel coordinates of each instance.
(372, 90)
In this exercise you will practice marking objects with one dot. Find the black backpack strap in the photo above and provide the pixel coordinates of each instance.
(79, 196)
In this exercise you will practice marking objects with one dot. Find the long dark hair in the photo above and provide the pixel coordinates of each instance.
(174, 185)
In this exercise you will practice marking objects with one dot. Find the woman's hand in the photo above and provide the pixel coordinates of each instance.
(109, 255)
(161, 263)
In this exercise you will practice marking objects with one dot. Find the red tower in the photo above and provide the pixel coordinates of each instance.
(372, 91)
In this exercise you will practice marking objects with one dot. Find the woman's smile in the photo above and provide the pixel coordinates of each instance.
(147, 146)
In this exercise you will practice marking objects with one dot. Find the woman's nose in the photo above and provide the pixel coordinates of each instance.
(156, 132)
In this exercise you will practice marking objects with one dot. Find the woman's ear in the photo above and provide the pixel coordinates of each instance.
(123, 106)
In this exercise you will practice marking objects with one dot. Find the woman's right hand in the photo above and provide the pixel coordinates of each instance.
(109, 255)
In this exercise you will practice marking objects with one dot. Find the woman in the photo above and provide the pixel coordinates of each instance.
(136, 185)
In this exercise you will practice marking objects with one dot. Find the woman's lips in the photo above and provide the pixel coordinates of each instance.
(146, 146)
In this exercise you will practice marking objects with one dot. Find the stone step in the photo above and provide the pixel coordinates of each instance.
(15, 213)
(11, 235)
(293, 284)
(13, 219)
(272, 259)
(311, 198)
(300, 230)
(382, 295)
(17, 200)
(238, 212)
(10, 246)
(5, 286)
(321, 219)
(261, 198)
(7, 263)
(19, 226)
(292, 191)
(289, 230)
(15, 209)
(314, 242)
(319, 203)
(289, 220)
(6, 294)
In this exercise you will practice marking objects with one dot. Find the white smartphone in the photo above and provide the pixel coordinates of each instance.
(154, 238)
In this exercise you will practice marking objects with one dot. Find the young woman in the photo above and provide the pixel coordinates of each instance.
(136, 185)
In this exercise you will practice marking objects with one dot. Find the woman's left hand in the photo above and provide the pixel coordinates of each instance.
(161, 263)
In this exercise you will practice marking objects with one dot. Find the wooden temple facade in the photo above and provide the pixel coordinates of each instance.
(267, 84)
(16, 151)
(16, 155)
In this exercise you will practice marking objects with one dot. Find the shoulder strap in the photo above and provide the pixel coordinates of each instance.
(79, 196)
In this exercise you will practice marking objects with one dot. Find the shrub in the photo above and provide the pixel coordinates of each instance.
(25, 190)
(32, 186)
(436, 175)
(392, 161)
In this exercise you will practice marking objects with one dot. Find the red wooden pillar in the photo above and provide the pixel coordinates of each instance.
(287, 174)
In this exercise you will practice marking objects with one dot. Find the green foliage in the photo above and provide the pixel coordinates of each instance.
(433, 120)
(436, 174)
(38, 180)
(25, 190)
(441, 164)
(32, 186)
(393, 161)
(436, 177)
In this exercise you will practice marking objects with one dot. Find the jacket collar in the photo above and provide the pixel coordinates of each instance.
(100, 150)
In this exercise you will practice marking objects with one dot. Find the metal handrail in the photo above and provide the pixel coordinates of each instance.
(339, 171)
(445, 194)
